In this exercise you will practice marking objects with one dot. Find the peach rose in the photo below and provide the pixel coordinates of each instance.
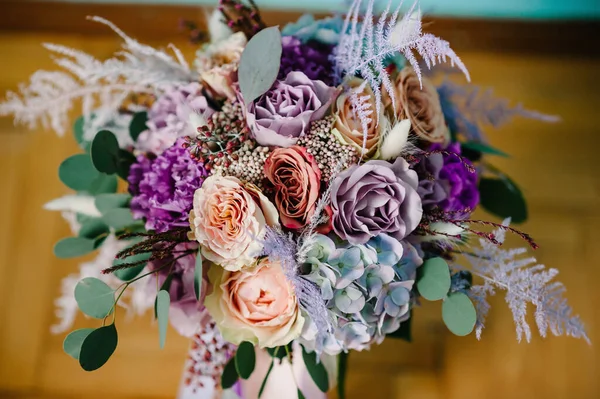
(349, 126)
(421, 105)
(258, 305)
(296, 179)
(229, 219)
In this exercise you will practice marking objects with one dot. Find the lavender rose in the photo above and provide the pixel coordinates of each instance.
(284, 113)
(373, 198)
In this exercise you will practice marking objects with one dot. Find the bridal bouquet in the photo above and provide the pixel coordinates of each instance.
(307, 186)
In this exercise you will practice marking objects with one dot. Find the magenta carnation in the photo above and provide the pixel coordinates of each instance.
(163, 187)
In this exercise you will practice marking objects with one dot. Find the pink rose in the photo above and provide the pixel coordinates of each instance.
(229, 220)
(257, 305)
(296, 179)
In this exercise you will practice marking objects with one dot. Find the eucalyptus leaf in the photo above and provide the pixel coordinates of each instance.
(124, 161)
(79, 133)
(245, 360)
(459, 314)
(198, 276)
(138, 124)
(264, 383)
(259, 64)
(98, 347)
(105, 152)
(230, 375)
(163, 300)
(131, 272)
(433, 279)
(316, 370)
(94, 297)
(103, 184)
(72, 247)
(93, 228)
(483, 148)
(106, 202)
(73, 341)
(280, 352)
(77, 172)
(300, 394)
(118, 218)
(503, 198)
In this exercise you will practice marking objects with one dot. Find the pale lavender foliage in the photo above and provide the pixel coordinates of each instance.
(283, 248)
(469, 107)
(364, 47)
(525, 282)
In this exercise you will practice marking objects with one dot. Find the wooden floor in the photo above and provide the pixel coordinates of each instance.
(558, 166)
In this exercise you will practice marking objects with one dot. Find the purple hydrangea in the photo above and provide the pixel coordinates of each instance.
(311, 57)
(163, 187)
(445, 182)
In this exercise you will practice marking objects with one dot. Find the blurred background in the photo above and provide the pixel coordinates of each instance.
(543, 53)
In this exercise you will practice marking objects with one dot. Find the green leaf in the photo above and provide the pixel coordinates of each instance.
(433, 281)
(404, 331)
(94, 297)
(198, 276)
(124, 162)
(131, 272)
(259, 64)
(105, 152)
(483, 148)
(163, 300)
(93, 228)
(98, 347)
(300, 394)
(280, 352)
(503, 198)
(342, 368)
(316, 370)
(230, 375)
(78, 133)
(77, 172)
(72, 247)
(264, 383)
(138, 124)
(118, 218)
(106, 202)
(103, 184)
(459, 314)
(73, 341)
(245, 360)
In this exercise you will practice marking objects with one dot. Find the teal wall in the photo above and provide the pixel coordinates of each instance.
(538, 9)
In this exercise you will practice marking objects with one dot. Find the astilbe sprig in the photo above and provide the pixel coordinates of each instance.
(525, 282)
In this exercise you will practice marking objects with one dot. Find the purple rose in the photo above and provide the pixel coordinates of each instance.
(373, 198)
(284, 113)
(446, 183)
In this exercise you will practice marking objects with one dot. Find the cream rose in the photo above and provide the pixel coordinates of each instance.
(257, 305)
(229, 220)
(349, 126)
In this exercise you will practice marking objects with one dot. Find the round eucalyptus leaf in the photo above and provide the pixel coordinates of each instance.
(77, 172)
(72, 247)
(433, 280)
(78, 133)
(118, 218)
(103, 184)
(94, 297)
(106, 202)
(73, 341)
(124, 162)
(104, 152)
(230, 375)
(93, 228)
(245, 360)
(98, 347)
(459, 314)
(503, 198)
(316, 370)
(138, 124)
